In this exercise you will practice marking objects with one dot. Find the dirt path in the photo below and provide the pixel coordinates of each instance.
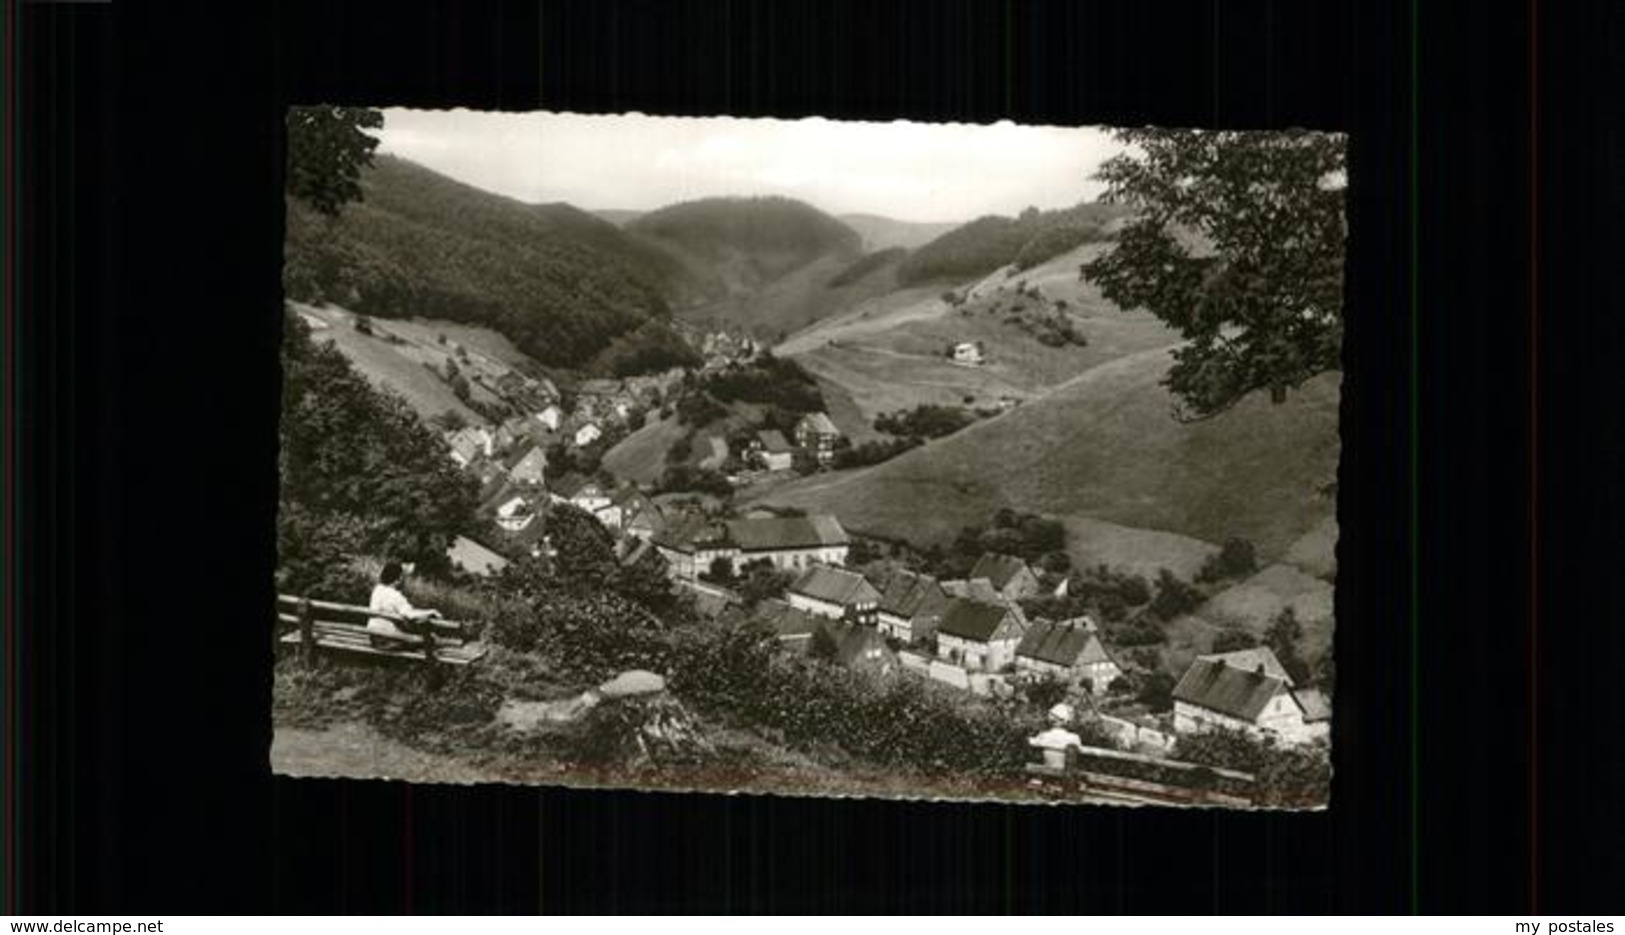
(356, 751)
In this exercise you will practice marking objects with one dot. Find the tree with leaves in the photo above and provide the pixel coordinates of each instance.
(327, 149)
(1238, 244)
(1282, 638)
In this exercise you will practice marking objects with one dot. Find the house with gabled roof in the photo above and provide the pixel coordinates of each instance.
(791, 543)
(528, 466)
(1009, 575)
(580, 491)
(1213, 694)
(857, 646)
(773, 450)
(817, 435)
(835, 593)
(979, 636)
(1070, 650)
(1251, 659)
(911, 604)
(469, 443)
(515, 514)
(474, 558)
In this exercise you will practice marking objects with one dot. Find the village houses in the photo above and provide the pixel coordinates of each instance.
(857, 646)
(515, 514)
(1247, 691)
(968, 352)
(529, 468)
(552, 417)
(582, 492)
(469, 443)
(691, 544)
(467, 555)
(1069, 650)
(979, 636)
(773, 450)
(817, 435)
(586, 434)
(835, 593)
(1013, 578)
(911, 605)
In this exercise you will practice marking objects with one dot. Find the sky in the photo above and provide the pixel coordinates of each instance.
(907, 171)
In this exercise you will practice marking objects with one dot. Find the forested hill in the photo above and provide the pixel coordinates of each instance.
(736, 245)
(559, 282)
(987, 243)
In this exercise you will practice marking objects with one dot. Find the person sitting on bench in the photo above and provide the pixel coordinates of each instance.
(1057, 742)
(387, 599)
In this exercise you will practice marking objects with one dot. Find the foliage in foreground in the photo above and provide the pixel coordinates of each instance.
(1239, 245)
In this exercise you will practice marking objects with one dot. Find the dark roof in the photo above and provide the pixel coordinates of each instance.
(1250, 659)
(1239, 693)
(998, 568)
(1067, 643)
(685, 531)
(794, 532)
(571, 484)
(909, 593)
(971, 620)
(835, 585)
(976, 589)
(1316, 706)
(788, 623)
(853, 640)
(773, 441)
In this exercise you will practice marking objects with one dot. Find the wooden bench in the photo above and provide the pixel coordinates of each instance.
(312, 625)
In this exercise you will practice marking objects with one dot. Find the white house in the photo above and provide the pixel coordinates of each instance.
(1214, 694)
(792, 543)
(774, 450)
(529, 468)
(968, 352)
(587, 434)
(551, 417)
(583, 492)
(515, 514)
(911, 606)
(979, 636)
(469, 443)
(835, 593)
(1068, 649)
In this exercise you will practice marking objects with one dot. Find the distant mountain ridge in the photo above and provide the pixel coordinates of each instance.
(880, 232)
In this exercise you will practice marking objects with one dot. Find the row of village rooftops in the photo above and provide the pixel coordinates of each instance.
(974, 626)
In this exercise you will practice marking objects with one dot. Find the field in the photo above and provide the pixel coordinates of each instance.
(1105, 446)
(892, 353)
(397, 368)
(641, 456)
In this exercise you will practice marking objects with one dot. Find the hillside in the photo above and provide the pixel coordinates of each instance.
(987, 243)
(880, 232)
(890, 352)
(762, 263)
(558, 282)
(1104, 446)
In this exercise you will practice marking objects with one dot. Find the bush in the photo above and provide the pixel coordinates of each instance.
(1231, 641)
(1235, 558)
(1174, 597)
(1286, 777)
(1157, 691)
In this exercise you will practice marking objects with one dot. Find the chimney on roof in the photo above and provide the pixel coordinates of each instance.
(1259, 670)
